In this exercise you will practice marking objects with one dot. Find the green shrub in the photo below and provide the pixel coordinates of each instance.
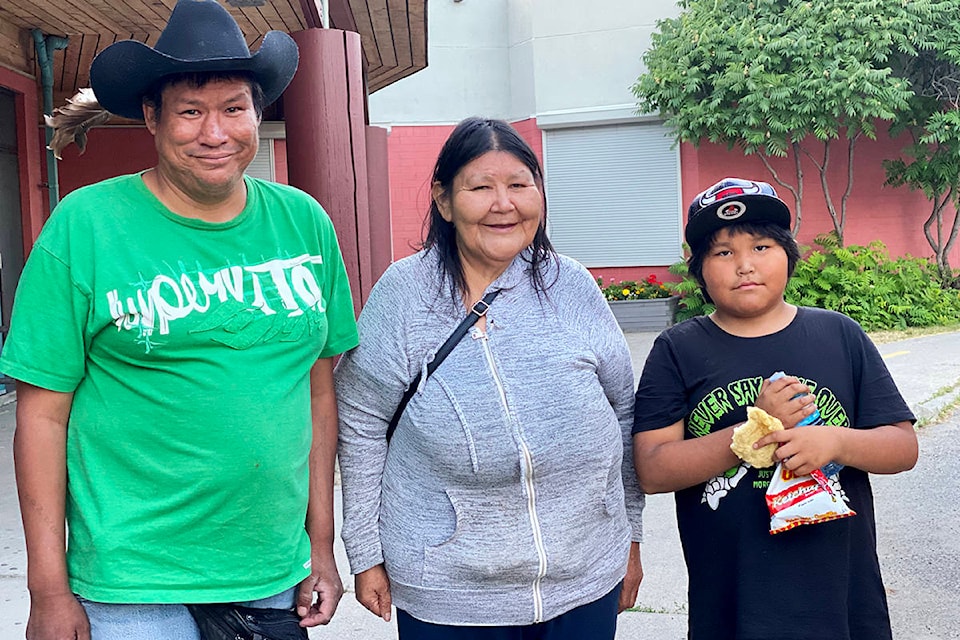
(691, 301)
(874, 289)
(863, 282)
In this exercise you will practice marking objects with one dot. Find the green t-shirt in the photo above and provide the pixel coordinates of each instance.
(188, 347)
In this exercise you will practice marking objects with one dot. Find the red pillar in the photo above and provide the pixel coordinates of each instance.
(326, 142)
(381, 231)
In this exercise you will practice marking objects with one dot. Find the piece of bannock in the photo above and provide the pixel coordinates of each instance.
(759, 423)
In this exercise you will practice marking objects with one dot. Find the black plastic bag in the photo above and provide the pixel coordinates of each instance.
(233, 622)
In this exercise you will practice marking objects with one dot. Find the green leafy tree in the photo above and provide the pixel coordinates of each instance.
(781, 78)
(931, 161)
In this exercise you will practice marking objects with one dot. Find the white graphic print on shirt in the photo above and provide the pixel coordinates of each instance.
(281, 293)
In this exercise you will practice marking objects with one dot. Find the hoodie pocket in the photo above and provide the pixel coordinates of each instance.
(491, 547)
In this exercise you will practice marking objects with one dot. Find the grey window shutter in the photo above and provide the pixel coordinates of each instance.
(262, 165)
(613, 194)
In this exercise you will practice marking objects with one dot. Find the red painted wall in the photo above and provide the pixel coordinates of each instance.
(412, 153)
(114, 151)
(30, 157)
(874, 212)
(111, 151)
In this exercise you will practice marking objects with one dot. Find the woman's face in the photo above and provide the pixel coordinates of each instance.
(495, 206)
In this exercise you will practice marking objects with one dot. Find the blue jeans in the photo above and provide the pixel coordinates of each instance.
(152, 621)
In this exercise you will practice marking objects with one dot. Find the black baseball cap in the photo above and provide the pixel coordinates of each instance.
(733, 200)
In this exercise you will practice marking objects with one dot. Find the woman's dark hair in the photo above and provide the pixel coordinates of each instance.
(198, 79)
(775, 232)
(471, 139)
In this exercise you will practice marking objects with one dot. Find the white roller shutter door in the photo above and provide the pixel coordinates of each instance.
(613, 194)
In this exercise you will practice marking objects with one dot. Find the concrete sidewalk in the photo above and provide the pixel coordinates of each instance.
(927, 371)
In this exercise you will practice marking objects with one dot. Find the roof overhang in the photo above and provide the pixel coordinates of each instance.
(393, 33)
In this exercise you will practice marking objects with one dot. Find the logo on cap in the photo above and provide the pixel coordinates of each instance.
(731, 210)
(727, 189)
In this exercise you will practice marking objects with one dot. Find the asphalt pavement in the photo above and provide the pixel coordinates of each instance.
(918, 523)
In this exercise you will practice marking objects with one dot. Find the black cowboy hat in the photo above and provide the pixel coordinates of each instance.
(200, 36)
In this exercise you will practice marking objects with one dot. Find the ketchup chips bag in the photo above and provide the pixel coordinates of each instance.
(796, 500)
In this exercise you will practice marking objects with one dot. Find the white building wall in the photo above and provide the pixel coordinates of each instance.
(589, 54)
(561, 61)
(468, 68)
(523, 101)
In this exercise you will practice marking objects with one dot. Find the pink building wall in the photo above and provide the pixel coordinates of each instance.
(894, 216)
(412, 152)
(530, 132)
(875, 212)
(280, 167)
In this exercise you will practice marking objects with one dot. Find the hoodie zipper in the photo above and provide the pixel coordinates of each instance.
(479, 334)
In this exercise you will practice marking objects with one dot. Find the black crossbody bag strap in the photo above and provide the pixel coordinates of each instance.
(478, 311)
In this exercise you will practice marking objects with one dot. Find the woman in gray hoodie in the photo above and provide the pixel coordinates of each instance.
(506, 504)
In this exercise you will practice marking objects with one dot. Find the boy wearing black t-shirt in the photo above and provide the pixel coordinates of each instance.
(814, 582)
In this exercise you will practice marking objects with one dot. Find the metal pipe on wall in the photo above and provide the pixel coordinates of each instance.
(45, 46)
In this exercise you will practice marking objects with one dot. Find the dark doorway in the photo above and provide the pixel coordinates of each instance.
(11, 229)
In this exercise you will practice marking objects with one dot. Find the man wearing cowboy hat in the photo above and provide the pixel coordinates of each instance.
(182, 321)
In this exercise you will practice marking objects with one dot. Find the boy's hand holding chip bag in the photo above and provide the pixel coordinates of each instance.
(806, 449)
(793, 498)
(802, 452)
(780, 404)
(787, 399)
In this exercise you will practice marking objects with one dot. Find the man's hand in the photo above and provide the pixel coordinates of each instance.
(324, 580)
(373, 591)
(57, 617)
(631, 583)
(40, 458)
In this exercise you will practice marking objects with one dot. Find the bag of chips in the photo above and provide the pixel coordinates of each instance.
(796, 500)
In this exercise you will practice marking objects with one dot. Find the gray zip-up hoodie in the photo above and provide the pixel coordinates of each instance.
(500, 500)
